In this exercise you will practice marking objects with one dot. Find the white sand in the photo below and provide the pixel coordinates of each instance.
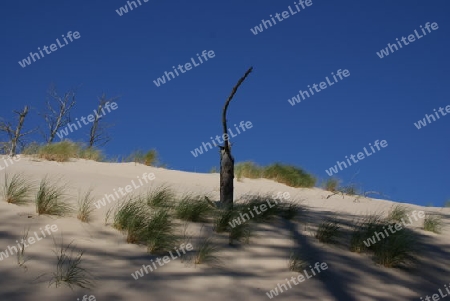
(250, 270)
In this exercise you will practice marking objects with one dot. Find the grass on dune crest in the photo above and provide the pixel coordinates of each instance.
(281, 173)
(63, 151)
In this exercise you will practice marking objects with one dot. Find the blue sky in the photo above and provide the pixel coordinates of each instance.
(122, 55)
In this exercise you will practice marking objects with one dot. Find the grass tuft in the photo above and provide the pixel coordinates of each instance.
(281, 173)
(331, 185)
(194, 208)
(64, 151)
(147, 158)
(155, 228)
(328, 231)
(296, 263)
(16, 189)
(396, 250)
(207, 253)
(397, 213)
(432, 223)
(69, 270)
(162, 196)
(85, 206)
(50, 199)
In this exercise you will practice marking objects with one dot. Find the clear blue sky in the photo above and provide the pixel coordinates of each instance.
(122, 55)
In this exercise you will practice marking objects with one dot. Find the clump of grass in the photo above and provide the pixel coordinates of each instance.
(296, 263)
(159, 232)
(194, 208)
(130, 217)
(65, 150)
(248, 170)
(393, 250)
(289, 175)
(363, 230)
(69, 270)
(60, 152)
(396, 250)
(328, 231)
(290, 210)
(155, 228)
(207, 253)
(85, 206)
(222, 220)
(162, 196)
(447, 204)
(397, 213)
(148, 158)
(331, 184)
(265, 204)
(21, 259)
(50, 199)
(432, 223)
(240, 232)
(281, 173)
(16, 189)
(91, 153)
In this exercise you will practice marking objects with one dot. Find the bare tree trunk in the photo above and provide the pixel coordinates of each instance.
(97, 133)
(226, 159)
(16, 134)
(60, 117)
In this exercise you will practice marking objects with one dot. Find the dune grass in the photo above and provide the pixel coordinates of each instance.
(207, 253)
(68, 268)
(21, 258)
(328, 231)
(16, 189)
(394, 250)
(364, 229)
(331, 184)
(222, 219)
(64, 151)
(432, 223)
(148, 158)
(296, 262)
(159, 232)
(240, 232)
(50, 199)
(162, 196)
(144, 225)
(397, 213)
(193, 208)
(397, 249)
(85, 206)
(447, 204)
(248, 170)
(281, 173)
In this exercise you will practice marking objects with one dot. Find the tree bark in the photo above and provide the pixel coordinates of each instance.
(226, 159)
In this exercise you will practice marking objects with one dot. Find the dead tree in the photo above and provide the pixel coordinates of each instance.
(15, 134)
(58, 117)
(226, 159)
(97, 134)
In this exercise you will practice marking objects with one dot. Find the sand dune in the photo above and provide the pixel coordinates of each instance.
(249, 270)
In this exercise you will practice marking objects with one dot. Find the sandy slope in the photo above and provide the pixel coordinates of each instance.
(250, 271)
